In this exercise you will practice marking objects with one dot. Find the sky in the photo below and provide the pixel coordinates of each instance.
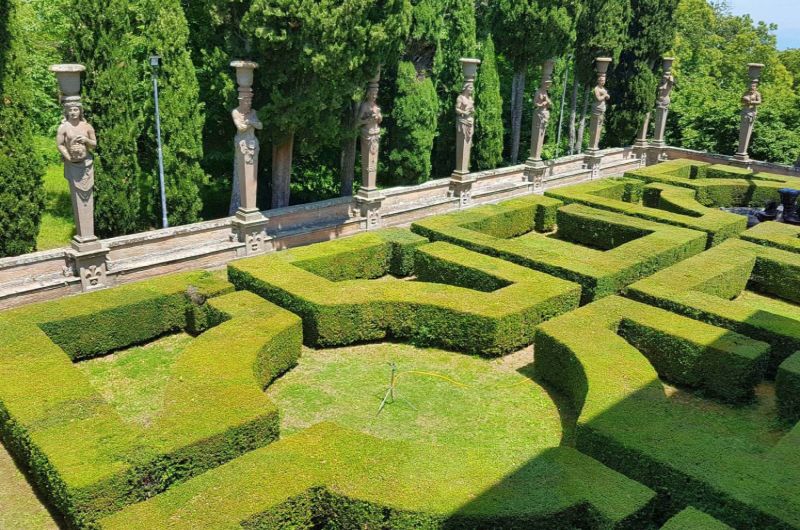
(784, 13)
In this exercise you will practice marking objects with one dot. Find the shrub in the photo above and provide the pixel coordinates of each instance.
(488, 111)
(787, 388)
(624, 248)
(85, 460)
(693, 519)
(719, 458)
(330, 286)
(772, 234)
(705, 287)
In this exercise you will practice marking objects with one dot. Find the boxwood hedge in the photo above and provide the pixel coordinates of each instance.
(787, 388)
(83, 457)
(717, 457)
(602, 251)
(459, 300)
(706, 287)
(332, 477)
(718, 185)
(773, 234)
(694, 519)
(656, 202)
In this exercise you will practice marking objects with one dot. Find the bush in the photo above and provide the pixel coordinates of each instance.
(329, 285)
(705, 286)
(22, 195)
(663, 203)
(488, 150)
(624, 248)
(692, 519)
(719, 458)
(787, 388)
(772, 234)
(83, 458)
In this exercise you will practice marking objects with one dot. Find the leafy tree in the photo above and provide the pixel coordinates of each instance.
(791, 60)
(458, 40)
(488, 150)
(317, 55)
(633, 81)
(414, 119)
(21, 192)
(528, 32)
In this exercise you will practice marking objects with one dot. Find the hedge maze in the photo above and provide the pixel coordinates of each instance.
(383, 380)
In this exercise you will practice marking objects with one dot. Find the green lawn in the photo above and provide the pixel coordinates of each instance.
(20, 509)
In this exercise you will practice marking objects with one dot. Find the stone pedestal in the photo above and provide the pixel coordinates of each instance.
(250, 228)
(641, 145)
(535, 171)
(751, 100)
(368, 205)
(460, 181)
(593, 160)
(89, 264)
(461, 188)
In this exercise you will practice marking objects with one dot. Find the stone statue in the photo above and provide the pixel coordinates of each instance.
(600, 99)
(247, 149)
(369, 120)
(541, 113)
(465, 112)
(750, 103)
(76, 140)
(663, 101)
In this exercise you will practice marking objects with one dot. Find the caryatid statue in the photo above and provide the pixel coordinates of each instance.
(369, 121)
(246, 143)
(541, 112)
(600, 99)
(750, 103)
(663, 100)
(465, 116)
(76, 140)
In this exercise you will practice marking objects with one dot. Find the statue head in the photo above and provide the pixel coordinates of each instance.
(601, 80)
(469, 88)
(754, 85)
(73, 111)
(372, 92)
(245, 103)
(547, 83)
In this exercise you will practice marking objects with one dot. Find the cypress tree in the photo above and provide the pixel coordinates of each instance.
(633, 82)
(527, 32)
(21, 169)
(488, 150)
(458, 40)
(414, 119)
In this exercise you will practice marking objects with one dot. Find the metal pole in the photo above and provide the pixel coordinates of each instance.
(164, 220)
(563, 100)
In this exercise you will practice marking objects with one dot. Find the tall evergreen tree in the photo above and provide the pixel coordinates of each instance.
(458, 40)
(488, 150)
(317, 55)
(414, 119)
(115, 40)
(21, 192)
(527, 32)
(633, 82)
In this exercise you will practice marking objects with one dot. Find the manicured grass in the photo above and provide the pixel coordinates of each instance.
(20, 509)
(57, 226)
(134, 381)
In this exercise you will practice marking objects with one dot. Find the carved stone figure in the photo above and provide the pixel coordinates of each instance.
(663, 101)
(247, 149)
(369, 120)
(600, 99)
(750, 103)
(465, 116)
(541, 114)
(76, 140)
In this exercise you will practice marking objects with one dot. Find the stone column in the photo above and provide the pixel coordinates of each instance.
(369, 198)
(600, 99)
(750, 103)
(250, 225)
(76, 142)
(460, 181)
(535, 167)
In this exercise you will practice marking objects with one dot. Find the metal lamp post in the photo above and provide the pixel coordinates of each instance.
(155, 63)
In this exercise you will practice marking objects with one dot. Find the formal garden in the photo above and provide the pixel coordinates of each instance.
(284, 264)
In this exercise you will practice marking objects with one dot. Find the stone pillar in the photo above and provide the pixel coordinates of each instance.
(250, 225)
(600, 99)
(750, 103)
(535, 167)
(369, 198)
(460, 181)
(76, 141)
(665, 87)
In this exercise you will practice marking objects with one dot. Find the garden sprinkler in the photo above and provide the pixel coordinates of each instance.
(390, 395)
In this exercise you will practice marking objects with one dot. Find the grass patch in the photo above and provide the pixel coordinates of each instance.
(133, 381)
(19, 506)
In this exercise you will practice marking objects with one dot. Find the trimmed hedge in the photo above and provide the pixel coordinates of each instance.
(83, 458)
(774, 234)
(787, 388)
(489, 307)
(693, 519)
(718, 185)
(602, 251)
(661, 203)
(345, 479)
(716, 457)
(705, 286)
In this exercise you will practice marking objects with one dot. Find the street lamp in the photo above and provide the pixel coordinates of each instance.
(155, 64)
